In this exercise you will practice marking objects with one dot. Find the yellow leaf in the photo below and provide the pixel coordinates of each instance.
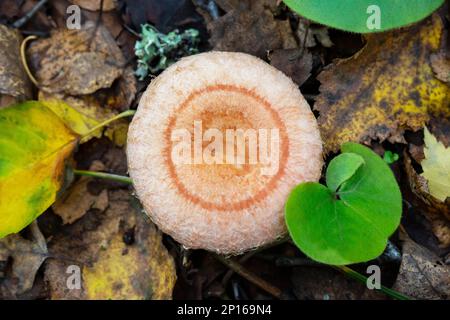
(34, 145)
(436, 167)
(384, 89)
(83, 118)
(120, 254)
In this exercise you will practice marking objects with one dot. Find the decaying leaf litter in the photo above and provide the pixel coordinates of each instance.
(389, 91)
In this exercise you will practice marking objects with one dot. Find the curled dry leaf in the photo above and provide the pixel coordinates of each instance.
(95, 5)
(422, 274)
(84, 68)
(437, 212)
(386, 88)
(120, 255)
(253, 31)
(14, 83)
(27, 257)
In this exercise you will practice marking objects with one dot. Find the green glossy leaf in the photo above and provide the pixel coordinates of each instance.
(353, 225)
(34, 145)
(390, 157)
(342, 168)
(364, 16)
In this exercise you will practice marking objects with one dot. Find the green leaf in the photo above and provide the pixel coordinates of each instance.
(34, 146)
(352, 225)
(342, 168)
(390, 157)
(362, 15)
(436, 167)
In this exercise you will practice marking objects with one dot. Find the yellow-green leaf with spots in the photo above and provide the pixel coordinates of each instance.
(385, 89)
(436, 167)
(34, 146)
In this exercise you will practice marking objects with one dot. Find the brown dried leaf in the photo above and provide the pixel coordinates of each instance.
(14, 83)
(293, 63)
(437, 212)
(27, 256)
(120, 254)
(77, 200)
(250, 31)
(422, 275)
(83, 65)
(384, 89)
(95, 5)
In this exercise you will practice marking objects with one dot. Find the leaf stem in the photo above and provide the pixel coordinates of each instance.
(357, 276)
(124, 114)
(23, 57)
(103, 175)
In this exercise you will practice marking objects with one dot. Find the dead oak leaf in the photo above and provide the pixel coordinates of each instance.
(384, 89)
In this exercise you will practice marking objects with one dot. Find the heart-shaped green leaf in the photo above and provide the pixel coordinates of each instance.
(342, 168)
(364, 16)
(353, 224)
(34, 145)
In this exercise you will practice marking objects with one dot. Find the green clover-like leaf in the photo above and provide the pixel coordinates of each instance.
(353, 224)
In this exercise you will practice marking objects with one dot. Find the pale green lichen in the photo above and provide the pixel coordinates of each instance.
(156, 51)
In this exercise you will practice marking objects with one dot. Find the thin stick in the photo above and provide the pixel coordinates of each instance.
(103, 175)
(251, 277)
(357, 276)
(105, 123)
(19, 23)
(23, 58)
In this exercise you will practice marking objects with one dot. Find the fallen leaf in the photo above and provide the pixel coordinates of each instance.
(441, 66)
(83, 68)
(77, 200)
(436, 212)
(14, 83)
(293, 62)
(422, 275)
(361, 16)
(251, 31)
(95, 5)
(436, 167)
(34, 147)
(27, 257)
(119, 252)
(81, 119)
(384, 89)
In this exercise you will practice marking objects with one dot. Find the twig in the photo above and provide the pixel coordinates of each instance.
(19, 23)
(251, 277)
(97, 23)
(249, 255)
(23, 58)
(103, 175)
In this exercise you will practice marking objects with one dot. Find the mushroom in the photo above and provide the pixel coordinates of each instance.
(217, 143)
